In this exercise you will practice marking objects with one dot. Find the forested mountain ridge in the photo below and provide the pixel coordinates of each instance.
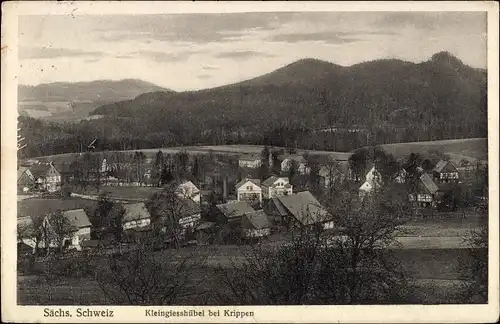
(387, 101)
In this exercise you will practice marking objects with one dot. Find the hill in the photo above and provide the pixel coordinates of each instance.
(297, 105)
(72, 101)
(317, 94)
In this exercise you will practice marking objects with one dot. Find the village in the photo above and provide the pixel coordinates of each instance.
(222, 198)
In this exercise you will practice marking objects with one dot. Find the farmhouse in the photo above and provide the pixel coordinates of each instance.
(46, 176)
(25, 179)
(255, 224)
(188, 190)
(426, 191)
(249, 190)
(445, 172)
(233, 212)
(249, 161)
(136, 216)
(295, 160)
(276, 186)
(297, 210)
(40, 230)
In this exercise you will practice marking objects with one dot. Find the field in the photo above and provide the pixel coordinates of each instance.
(435, 276)
(475, 148)
(41, 206)
(471, 149)
(121, 193)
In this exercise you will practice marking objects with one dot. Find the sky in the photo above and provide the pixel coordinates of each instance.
(195, 51)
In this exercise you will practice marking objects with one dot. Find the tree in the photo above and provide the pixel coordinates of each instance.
(142, 277)
(157, 169)
(166, 209)
(358, 163)
(475, 270)
(56, 229)
(139, 158)
(318, 267)
(196, 171)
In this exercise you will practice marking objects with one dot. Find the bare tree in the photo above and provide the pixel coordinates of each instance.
(145, 277)
(316, 266)
(56, 230)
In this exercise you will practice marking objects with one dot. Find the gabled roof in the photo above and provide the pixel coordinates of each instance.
(235, 209)
(441, 165)
(304, 207)
(279, 206)
(39, 170)
(77, 218)
(429, 183)
(135, 212)
(269, 181)
(258, 219)
(20, 171)
(242, 182)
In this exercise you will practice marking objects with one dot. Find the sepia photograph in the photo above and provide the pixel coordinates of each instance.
(254, 158)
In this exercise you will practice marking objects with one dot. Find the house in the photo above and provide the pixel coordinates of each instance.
(188, 190)
(249, 190)
(426, 191)
(445, 172)
(276, 186)
(205, 233)
(250, 161)
(298, 160)
(190, 214)
(46, 176)
(255, 225)
(373, 180)
(298, 210)
(75, 228)
(233, 212)
(79, 227)
(335, 173)
(136, 216)
(25, 180)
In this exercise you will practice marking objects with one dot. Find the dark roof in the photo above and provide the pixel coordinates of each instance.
(20, 171)
(269, 181)
(235, 209)
(258, 219)
(39, 170)
(428, 183)
(441, 165)
(135, 212)
(279, 206)
(305, 208)
(77, 218)
(242, 182)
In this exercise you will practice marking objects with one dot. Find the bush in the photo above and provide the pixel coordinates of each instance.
(66, 192)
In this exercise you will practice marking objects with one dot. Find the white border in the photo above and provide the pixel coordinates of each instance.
(345, 314)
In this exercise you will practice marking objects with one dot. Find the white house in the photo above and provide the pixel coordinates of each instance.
(276, 186)
(298, 160)
(250, 161)
(373, 180)
(80, 227)
(249, 190)
(188, 190)
(136, 216)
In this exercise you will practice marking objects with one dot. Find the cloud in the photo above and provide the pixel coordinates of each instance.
(210, 67)
(328, 37)
(205, 76)
(50, 53)
(432, 20)
(165, 57)
(242, 54)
